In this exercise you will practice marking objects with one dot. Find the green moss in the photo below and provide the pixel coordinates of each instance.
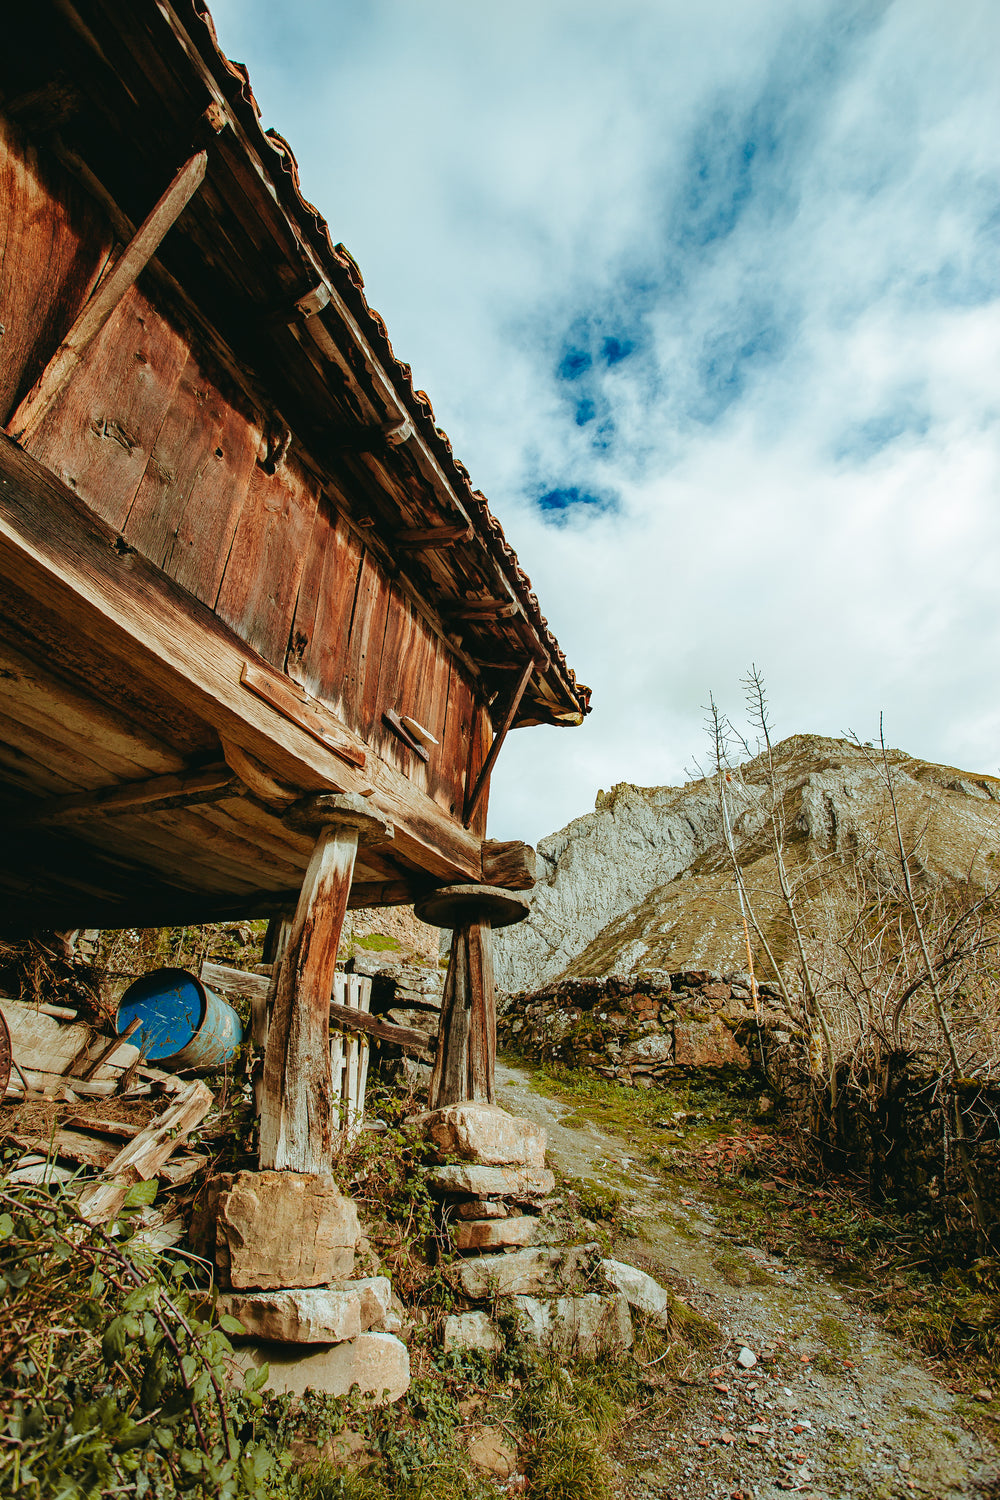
(377, 942)
(834, 1335)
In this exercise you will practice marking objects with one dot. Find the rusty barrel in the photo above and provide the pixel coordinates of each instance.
(182, 1023)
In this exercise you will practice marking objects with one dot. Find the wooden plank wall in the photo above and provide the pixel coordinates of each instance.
(54, 244)
(157, 442)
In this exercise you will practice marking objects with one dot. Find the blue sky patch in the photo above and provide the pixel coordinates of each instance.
(558, 504)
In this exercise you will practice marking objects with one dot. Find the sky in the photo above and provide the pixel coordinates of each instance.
(707, 298)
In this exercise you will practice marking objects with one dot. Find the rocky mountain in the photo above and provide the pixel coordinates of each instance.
(645, 881)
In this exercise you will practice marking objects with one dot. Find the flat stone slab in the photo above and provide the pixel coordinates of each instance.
(470, 1330)
(641, 1291)
(525, 1272)
(490, 1234)
(378, 1363)
(484, 1133)
(276, 1229)
(593, 1323)
(313, 1315)
(492, 1182)
(482, 1208)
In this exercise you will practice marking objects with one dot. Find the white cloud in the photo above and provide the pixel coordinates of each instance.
(790, 211)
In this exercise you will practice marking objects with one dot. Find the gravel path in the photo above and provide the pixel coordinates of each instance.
(833, 1407)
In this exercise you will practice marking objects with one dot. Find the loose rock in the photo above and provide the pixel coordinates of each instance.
(470, 1330)
(519, 1183)
(526, 1272)
(586, 1325)
(490, 1234)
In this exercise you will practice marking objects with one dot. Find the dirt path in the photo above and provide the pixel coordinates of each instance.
(835, 1407)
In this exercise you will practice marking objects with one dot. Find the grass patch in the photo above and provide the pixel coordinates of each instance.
(377, 942)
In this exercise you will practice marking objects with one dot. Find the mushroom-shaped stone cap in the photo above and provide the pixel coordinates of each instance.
(451, 905)
(341, 810)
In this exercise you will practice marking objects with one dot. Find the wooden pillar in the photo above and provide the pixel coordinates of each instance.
(296, 1122)
(465, 1063)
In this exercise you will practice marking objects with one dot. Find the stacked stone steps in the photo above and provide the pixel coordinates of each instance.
(494, 1199)
(284, 1247)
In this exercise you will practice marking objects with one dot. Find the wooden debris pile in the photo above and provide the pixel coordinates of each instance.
(84, 1110)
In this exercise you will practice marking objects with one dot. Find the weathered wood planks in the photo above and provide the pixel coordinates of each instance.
(50, 546)
(107, 295)
(54, 242)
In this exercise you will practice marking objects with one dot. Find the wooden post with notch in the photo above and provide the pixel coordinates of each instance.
(465, 1061)
(296, 1120)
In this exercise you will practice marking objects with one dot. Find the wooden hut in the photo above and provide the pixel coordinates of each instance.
(260, 640)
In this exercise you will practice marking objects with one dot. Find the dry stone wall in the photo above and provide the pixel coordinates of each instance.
(642, 1028)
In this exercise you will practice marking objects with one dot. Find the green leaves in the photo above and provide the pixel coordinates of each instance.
(141, 1194)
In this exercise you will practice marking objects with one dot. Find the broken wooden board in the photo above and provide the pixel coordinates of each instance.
(142, 1158)
(71, 1145)
(42, 1044)
(57, 1085)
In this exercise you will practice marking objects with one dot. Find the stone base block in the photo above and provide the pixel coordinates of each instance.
(276, 1229)
(313, 1315)
(484, 1133)
(378, 1363)
(525, 1272)
(491, 1234)
(586, 1325)
(470, 1330)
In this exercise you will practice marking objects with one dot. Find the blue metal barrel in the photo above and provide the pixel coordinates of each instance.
(182, 1023)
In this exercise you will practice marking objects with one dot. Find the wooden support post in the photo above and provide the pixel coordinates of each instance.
(102, 303)
(296, 1122)
(465, 1062)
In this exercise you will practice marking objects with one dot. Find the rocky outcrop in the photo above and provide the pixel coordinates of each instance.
(644, 882)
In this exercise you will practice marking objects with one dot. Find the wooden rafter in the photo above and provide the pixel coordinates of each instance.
(473, 800)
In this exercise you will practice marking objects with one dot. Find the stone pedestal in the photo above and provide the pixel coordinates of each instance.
(276, 1229)
(465, 1064)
